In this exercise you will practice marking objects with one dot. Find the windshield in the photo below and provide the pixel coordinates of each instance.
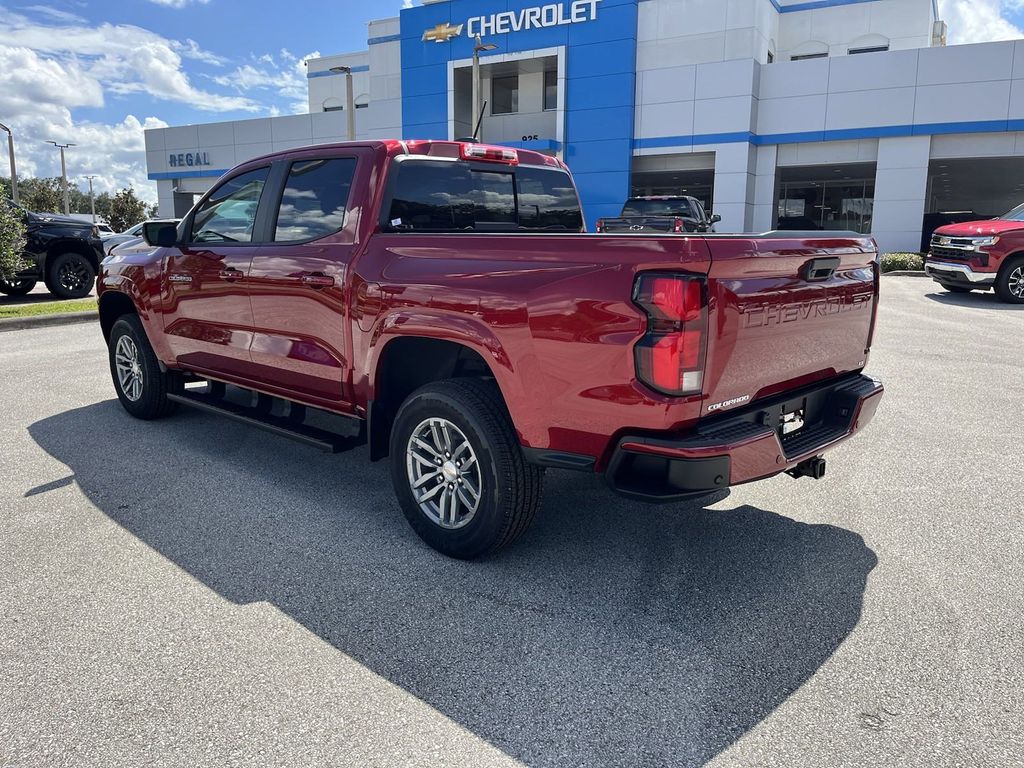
(680, 207)
(1017, 214)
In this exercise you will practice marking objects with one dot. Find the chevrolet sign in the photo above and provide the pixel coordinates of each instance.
(554, 15)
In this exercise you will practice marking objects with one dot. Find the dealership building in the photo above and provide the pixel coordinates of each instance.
(831, 114)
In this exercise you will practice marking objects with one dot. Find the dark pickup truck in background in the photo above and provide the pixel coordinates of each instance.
(63, 252)
(660, 214)
(444, 298)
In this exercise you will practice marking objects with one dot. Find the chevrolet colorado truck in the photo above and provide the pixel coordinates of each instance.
(660, 213)
(445, 298)
(62, 251)
(981, 255)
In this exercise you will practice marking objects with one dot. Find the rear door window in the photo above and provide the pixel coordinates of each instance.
(229, 214)
(315, 198)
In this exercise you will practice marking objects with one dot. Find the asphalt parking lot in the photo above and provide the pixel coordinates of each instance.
(192, 592)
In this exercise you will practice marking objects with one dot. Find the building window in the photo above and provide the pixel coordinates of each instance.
(806, 56)
(870, 49)
(337, 108)
(505, 95)
(551, 89)
(771, 57)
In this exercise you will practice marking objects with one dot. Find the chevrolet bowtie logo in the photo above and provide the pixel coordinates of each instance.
(442, 33)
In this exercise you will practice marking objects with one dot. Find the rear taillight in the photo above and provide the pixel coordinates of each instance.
(670, 356)
(678, 226)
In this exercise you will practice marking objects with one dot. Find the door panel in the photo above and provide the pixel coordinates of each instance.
(298, 305)
(207, 314)
(297, 281)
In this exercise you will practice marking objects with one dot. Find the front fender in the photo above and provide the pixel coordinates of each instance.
(111, 283)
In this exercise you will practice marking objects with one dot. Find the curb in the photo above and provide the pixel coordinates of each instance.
(905, 273)
(45, 321)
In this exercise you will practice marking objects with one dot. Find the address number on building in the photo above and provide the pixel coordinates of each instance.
(531, 137)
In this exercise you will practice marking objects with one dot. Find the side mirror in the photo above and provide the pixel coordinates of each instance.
(162, 234)
(715, 218)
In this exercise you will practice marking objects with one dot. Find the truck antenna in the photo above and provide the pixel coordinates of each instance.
(476, 131)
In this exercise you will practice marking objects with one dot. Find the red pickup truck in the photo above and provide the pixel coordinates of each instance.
(445, 297)
(980, 255)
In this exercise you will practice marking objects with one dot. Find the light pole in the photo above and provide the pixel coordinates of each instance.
(478, 106)
(14, 168)
(350, 108)
(63, 174)
(92, 200)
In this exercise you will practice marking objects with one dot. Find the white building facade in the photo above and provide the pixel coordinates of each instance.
(832, 114)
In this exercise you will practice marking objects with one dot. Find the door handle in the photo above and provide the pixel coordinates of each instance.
(231, 274)
(317, 280)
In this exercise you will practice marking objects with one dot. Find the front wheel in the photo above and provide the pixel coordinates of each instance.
(1010, 282)
(141, 386)
(458, 469)
(70, 276)
(17, 287)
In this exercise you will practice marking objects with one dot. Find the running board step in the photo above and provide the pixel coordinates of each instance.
(330, 442)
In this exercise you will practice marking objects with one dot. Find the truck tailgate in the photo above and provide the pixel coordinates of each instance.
(786, 311)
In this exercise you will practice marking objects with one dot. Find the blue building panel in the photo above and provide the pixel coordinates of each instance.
(600, 87)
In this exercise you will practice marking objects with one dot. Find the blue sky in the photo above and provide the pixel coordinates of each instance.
(97, 73)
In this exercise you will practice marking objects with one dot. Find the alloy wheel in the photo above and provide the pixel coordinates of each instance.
(72, 275)
(444, 474)
(1015, 282)
(129, 369)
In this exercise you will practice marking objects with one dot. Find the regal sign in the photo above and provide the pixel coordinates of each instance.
(188, 159)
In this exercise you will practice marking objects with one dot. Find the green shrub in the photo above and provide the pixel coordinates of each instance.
(892, 262)
(12, 240)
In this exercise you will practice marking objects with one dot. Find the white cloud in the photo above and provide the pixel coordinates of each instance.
(123, 58)
(283, 75)
(980, 21)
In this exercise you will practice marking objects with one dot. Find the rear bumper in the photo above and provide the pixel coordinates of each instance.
(959, 274)
(744, 446)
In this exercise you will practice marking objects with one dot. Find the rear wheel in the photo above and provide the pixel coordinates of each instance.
(956, 288)
(141, 386)
(458, 469)
(70, 276)
(17, 287)
(1010, 281)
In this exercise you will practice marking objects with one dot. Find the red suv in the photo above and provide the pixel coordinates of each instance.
(980, 255)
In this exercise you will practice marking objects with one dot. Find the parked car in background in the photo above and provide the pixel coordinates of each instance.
(981, 255)
(665, 214)
(111, 240)
(797, 224)
(62, 251)
(137, 244)
(445, 296)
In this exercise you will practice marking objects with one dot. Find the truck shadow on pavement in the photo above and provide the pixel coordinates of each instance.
(612, 634)
(974, 300)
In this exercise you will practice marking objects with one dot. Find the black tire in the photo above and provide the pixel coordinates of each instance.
(1010, 281)
(149, 401)
(956, 288)
(17, 287)
(510, 488)
(70, 276)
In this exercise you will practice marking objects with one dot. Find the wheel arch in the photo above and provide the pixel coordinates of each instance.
(407, 362)
(112, 306)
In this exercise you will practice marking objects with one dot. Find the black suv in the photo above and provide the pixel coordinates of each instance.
(63, 252)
